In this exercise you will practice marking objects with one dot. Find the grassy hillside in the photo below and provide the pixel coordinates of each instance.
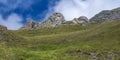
(49, 31)
(68, 42)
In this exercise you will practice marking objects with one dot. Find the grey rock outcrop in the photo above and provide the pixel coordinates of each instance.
(106, 15)
(54, 20)
(81, 20)
(29, 25)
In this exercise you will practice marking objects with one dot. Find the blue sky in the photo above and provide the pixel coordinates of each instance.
(15, 13)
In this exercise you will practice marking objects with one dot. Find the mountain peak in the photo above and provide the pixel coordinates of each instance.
(54, 20)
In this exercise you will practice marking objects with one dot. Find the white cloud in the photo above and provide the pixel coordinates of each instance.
(13, 22)
(76, 8)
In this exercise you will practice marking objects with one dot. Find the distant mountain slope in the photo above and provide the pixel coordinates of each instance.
(106, 15)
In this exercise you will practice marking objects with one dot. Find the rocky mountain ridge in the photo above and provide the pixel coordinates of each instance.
(57, 19)
(54, 20)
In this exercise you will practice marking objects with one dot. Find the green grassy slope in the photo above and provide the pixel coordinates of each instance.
(49, 31)
(68, 42)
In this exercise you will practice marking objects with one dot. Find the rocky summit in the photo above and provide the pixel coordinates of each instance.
(54, 20)
(106, 15)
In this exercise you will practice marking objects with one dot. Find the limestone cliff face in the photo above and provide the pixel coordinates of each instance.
(106, 16)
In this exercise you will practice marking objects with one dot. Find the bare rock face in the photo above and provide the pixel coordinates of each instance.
(29, 25)
(106, 16)
(81, 20)
(54, 20)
